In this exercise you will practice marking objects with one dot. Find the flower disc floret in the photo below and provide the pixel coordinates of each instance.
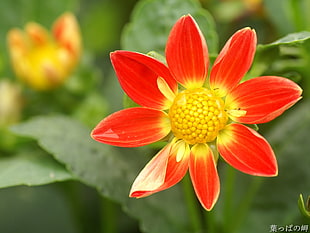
(197, 115)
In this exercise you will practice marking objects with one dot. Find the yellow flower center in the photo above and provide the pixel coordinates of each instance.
(197, 115)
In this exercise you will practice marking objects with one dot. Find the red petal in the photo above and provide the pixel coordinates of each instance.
(132, 127)
(138, 73)
(187, 53)
(263, 98)
(162, 172)
(246, 150)
(204, 175)
(233, 61)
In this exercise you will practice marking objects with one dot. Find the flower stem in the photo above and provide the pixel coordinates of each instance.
(229, 196)
(210, 222)
(108, 216)
(246, 203)
(297, 17)
(192, 205)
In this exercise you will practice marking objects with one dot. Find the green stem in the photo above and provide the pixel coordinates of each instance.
(246, 203)
(108, 216)
(192, 205)
(228, 197)
(210, 222)
(297, 14)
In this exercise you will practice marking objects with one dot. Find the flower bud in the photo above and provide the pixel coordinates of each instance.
(10, 103)
(43, 59)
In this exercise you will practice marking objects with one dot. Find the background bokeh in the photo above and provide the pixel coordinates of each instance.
(55, 178)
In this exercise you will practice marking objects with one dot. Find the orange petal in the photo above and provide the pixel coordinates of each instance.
(162, 172)
(263, 98)
(37, 34)
(67, 33)
(187, 53)
(18, 48)
(138, 75)
(204, 175)
(132, 127)
(246, 150)
(233, 61)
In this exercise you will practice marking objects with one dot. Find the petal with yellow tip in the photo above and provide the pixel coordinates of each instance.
(162, 172)
(246, 150)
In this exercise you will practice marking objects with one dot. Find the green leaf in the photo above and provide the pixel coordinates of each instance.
(152, 21)
(284, 57)
(31, 169)
(292, 38)
(111, 172)
(288, 15)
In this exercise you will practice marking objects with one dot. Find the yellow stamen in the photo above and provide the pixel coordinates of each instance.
(197, 115)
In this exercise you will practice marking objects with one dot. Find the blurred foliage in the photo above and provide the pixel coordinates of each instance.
(51, 143)
(152, 20)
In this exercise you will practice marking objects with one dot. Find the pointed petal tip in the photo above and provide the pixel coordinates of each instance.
(138, 73)
(139, 194)
(162, 172)
(187, 53)
(227, 71)
(247, 151)
(123, 128)
(273, 172)
(248, 30)
(254, 96)
(204, 176)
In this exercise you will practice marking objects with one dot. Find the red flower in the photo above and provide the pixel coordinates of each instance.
(202, 117)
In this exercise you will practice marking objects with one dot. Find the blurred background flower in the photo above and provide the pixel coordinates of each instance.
(42, 59)
(11, 102)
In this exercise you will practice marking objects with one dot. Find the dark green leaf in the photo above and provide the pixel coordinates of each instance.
(104, 168)
(292, 38)
(30, 169)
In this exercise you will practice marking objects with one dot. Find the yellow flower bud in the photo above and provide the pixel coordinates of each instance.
(42, 59)
(10, 103)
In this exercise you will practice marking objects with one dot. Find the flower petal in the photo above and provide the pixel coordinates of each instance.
(187, 53)
(37, 35)
(162, 172)
(263, 98)
(132, 127)
(138, 74)
(204, 175)
(246, 150)
(67, 33)
(233, 61)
